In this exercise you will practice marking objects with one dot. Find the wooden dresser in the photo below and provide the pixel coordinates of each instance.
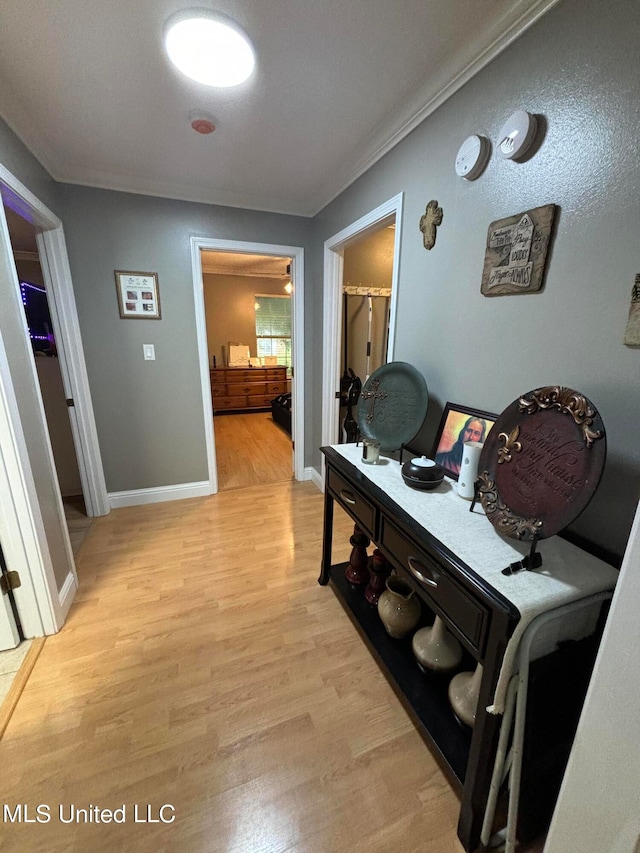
(244, 389)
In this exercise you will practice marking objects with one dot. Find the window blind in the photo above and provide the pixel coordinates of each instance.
(273, 327)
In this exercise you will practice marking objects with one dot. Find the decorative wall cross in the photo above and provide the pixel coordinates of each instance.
(373, 395)
(429, 222)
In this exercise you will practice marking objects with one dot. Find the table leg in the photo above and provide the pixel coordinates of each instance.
(327, 540)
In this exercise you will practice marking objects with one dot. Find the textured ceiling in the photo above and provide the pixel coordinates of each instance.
(85, 84)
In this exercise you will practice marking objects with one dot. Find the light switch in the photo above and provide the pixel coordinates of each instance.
(149, 351)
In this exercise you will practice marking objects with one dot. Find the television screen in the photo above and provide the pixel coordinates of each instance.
(36, 309)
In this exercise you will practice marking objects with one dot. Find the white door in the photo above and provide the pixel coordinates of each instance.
(9, 637)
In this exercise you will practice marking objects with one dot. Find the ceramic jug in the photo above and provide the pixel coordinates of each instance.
(398, 607)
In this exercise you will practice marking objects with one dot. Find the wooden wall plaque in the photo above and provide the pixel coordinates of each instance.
(516, 252)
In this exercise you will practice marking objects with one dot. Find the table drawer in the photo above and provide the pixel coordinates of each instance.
(359, 508)
(468, 618)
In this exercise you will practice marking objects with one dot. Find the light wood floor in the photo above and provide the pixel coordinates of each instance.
(202, 666)
(12, 660)
(251, 450)
(78, 524)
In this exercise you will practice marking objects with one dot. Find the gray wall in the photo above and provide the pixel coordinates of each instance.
(149, 414)
(579, 69)
(15, 157)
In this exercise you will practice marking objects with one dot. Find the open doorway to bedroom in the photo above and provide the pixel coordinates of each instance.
(248, 318)
(35, 299)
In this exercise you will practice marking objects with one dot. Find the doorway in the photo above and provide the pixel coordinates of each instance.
(366, 300)
(296, 255)
(387, 214)
(247, 299)
(33, 532)
(37, 310)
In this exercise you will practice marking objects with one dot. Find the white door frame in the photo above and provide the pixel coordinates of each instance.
(296, 253)
(332, 313)
(42, 607)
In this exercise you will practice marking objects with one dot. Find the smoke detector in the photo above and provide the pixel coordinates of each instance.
(202, 122)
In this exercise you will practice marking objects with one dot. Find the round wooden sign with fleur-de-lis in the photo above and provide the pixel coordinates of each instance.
(541, 463)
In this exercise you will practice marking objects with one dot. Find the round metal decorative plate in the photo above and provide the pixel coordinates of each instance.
(541, 463)
(393, 404)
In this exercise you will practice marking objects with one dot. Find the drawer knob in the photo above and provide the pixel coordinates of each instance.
(417, 569)
(347, 497)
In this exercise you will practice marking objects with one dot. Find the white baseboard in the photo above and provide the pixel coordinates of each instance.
(67, 594)
(136, 497)
(315, 477)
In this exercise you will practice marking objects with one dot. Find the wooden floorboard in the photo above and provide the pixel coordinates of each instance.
(251, 450)
(203, 667)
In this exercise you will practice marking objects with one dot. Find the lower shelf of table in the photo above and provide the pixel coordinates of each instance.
(424, 696)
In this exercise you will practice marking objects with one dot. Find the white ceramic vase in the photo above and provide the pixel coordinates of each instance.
(464, 689)
(436, 649)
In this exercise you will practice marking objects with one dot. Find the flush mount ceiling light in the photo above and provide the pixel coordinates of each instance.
(209, 48)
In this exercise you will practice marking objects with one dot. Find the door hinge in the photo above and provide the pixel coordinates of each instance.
(9, 581)
(69, 402)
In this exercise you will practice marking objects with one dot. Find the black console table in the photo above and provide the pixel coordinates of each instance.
(453, 559)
